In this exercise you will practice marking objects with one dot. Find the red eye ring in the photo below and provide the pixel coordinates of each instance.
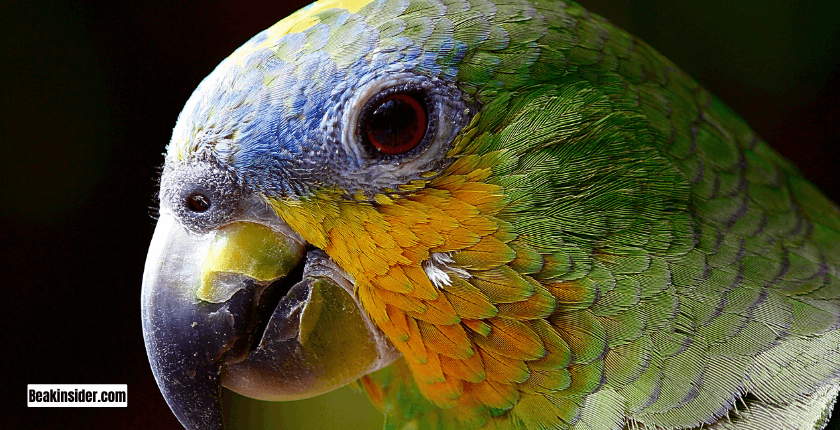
(396, 124)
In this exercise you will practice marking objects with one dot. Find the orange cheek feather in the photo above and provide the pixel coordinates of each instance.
(464, 347)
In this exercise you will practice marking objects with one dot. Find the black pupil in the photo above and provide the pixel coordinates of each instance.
(396, 124)
(198, 202)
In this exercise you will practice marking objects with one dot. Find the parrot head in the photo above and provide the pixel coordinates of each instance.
(269, 224)
(331, 185)
(492, 211)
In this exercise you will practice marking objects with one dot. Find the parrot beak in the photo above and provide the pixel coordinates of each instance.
(245, 306)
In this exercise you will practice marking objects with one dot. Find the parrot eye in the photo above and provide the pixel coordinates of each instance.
(396, 123)
(392, 129)
(197, 202)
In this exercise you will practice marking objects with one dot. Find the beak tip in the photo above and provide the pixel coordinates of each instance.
(188, 340)
(191, 386)
(197, 405)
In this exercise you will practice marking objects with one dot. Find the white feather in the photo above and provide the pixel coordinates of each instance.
(438, 269)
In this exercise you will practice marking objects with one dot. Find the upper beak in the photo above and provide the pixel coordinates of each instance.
(235, 307)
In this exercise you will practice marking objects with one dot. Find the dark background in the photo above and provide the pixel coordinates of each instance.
(90, 91)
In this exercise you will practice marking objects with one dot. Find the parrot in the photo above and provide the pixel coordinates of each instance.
(486, 214)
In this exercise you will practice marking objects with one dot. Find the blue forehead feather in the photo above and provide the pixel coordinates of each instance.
(263, 118)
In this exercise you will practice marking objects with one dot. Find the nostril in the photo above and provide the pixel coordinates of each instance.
(197, 202)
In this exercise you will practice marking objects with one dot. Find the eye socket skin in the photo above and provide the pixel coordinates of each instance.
(396, 124)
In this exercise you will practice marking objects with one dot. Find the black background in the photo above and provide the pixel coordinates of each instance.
(91, 91)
